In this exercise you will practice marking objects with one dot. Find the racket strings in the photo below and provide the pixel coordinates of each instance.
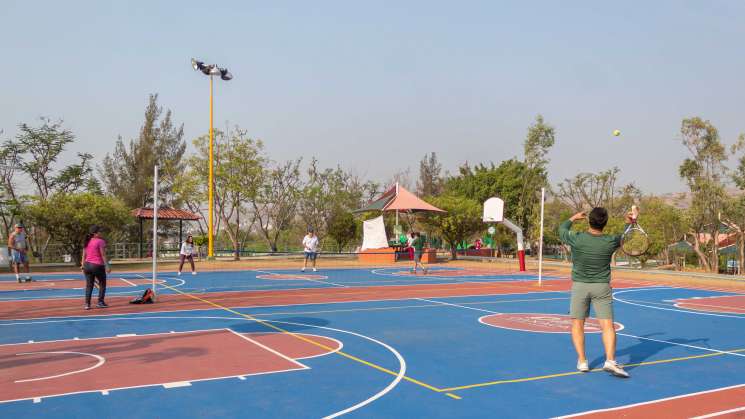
(634, 242)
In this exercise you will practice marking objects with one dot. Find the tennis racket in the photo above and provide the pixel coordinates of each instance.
(634, 241)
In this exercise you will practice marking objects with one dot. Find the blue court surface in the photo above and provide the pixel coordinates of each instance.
(362, 343)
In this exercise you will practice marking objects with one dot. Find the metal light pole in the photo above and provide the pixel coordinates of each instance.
(211, 70)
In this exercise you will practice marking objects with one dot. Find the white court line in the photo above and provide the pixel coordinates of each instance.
(128, 282)
(26, 321)
(700, 313)
(268, 349)
(177, 384)
(622, 334)
(399, 376)
(683, 344)
(723, 412)
(100, 362)
(682, 396)
(110, 337)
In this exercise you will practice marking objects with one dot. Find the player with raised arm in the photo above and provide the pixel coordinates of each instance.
(592, 251)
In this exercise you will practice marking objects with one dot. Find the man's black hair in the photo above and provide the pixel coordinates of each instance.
(598, 218)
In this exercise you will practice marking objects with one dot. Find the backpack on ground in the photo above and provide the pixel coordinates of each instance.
(146, 298)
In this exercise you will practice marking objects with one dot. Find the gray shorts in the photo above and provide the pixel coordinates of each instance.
(599, 294)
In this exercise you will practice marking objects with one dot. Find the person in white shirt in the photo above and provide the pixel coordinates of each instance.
(187, 252)
(310, 248)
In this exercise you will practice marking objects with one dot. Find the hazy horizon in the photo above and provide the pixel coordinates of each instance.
(374, 88)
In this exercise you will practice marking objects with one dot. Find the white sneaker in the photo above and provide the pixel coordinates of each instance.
(179, 274)
(615, 369)
(583, 367)
(193, 272)
(302, 269)
(315, 270)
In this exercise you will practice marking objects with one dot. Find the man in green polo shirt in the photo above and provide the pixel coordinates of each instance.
(591, 256)
(418, 245)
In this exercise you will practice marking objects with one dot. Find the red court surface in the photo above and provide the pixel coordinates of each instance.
(540, 322)
(71, 283)
(734, 304)
(168, 359)
(32, 309)
(721, 403)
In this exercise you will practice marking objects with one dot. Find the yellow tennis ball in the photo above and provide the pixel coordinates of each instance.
(616, 133)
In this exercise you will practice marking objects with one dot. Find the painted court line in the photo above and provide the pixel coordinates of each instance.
(398, 376)
(266, 348)
(681, 344)
(100, 362)
(129, 282)
(612, 409)
(570, 373)
(724, 412)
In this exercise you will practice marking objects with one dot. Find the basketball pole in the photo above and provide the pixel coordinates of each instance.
(155, 228)
(540, 242)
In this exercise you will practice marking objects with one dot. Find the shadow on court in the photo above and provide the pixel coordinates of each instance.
(645, 349)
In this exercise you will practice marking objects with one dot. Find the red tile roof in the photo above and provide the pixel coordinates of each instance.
(166, 213)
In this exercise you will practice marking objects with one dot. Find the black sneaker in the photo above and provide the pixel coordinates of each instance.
(101, 304)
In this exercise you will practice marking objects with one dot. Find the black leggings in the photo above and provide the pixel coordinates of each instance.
(92, 272)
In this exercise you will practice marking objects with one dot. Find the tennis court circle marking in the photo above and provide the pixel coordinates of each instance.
(291, 277)
(540, 322)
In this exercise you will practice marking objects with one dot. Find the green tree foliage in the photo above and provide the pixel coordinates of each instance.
(704, 172)
(461, 221)
(431, 181)
(34, 153)
(342, 228)
(734, 214)
(67, 217)
(276, 200)
(328, 192)
(483, 182)
(128, 171)
(239, 164)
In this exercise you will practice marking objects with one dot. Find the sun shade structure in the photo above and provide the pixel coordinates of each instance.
(165, 213)
(398, 198)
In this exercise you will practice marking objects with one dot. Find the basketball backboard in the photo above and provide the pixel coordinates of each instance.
(493, 210)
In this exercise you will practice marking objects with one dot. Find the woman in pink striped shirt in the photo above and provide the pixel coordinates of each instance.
(95, 266)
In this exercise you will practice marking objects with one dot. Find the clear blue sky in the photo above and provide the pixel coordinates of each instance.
(373, 86)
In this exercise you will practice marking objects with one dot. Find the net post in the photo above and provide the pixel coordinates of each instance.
(540, 242)
(155, 229)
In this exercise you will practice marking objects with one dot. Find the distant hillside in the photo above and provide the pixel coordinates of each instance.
(682, 200)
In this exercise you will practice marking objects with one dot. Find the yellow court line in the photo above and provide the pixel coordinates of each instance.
(564, 374)
(312, 342)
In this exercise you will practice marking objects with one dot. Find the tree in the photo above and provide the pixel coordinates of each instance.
(734, 214)
(276, 200)
(483, 182)
(704, 173)
(34, 153)
(538, 142)
(461, 221)
(589, 190)
(128, 172)
(328, 192)
(665, 226)
(67, 217)
(239, 162)
(342, 228)
(430, 181)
